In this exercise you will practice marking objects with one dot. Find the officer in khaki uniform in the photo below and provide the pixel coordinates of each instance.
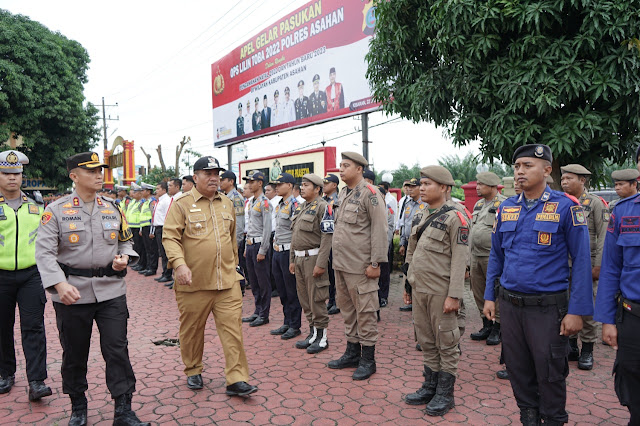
(82, 251)
(596, 211)
(359, 246)
(199, 237)
(309, 260)
(484, 215)
(438, 254)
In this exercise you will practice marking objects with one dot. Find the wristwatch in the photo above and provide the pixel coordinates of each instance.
(374, 264)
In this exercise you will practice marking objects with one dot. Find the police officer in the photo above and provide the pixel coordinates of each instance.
(147, 208)
(625, 183)
(534, 235)
(240, 121)
(596, 211)
(256, 119)
(330, 189)
(285, 281)
(618, 300)
(317, 99)
(82, 252)
(360, 221)
(437, 254)
(133, 219)
(302, 103)
(265, 120)
(412, 207)
(20, 281)
(123, 198)
(309, 260)
(257, 249)
(369, 176)
(484, 214)
(200, 241)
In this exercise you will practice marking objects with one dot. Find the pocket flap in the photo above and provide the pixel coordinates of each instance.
(508, 226)
(197, 217)
(225, 216)
(551, 227)
(368, 287)
(559, 351)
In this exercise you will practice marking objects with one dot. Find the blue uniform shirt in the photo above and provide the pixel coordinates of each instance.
(620, 259)
(530, 249)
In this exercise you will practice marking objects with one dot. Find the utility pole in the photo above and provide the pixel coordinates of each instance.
(104, 121)
(229, 157)
(365, 135)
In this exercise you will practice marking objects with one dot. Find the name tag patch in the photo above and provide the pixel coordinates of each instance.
(510, 214)
(548, 217)
(630, 225)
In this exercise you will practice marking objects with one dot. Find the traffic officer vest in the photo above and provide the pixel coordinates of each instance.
(18, 231)
(133, 214)
(145, 213)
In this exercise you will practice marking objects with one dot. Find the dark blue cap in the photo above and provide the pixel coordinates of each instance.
(254, 175)
(368, 174)
(537, 150)
(331, 178)
(284, 178)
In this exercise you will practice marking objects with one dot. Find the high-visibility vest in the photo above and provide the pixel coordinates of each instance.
(18, 232)
(133, 214)
(146, 212)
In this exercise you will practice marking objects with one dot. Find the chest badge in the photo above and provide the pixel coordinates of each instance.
(544, 238)
(74, 238)
(112, 235)
(70, 212)
(73, 226)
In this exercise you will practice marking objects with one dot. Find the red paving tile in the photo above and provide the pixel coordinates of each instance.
(295, 388)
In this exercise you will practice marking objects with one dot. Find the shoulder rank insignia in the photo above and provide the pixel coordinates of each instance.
(99, 200)
(577, 214)
(76, 202)
(463, 220)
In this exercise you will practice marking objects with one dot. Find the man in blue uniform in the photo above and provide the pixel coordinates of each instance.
(240, 121)
(534, 234)
(618, 300)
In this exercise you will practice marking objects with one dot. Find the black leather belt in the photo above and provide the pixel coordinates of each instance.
(91, 273)
(517, 299)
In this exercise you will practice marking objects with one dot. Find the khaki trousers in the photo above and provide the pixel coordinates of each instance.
(226, 306)
(312, 292)
(357, 298)
(478, 277)
(438, 333)
(589, 332)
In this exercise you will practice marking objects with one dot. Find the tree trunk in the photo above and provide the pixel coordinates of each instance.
(148, 159)
(185, 140)
(556, 174)
(162, 166)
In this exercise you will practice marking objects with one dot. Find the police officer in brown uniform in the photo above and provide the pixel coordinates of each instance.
(484, 215)
(309, 259)
(437, 254)
(596, 211)
(199, 237)
(359, 246)
(82, 251)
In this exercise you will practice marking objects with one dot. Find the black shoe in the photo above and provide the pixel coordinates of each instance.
(6, 383)
(367, 365)
(443, 401)
(333, 310)
(529, 417)
(585, 362)
(275, 293)
(37, 390)
(259, 321)
(418, 347)
(329, 305)
(574, 353)
(291, 333)
(150, 273)
(406, 308)
(502, 374)
(136, 268)
(78, 410)
(169, 284)
(484, 332)
(383, 303)
(241, 389)
(159, 278)
(280, 330)
(142, 271)
(378, 315)
(495, 336)
(304, 344)
(195, 381)
(351, 357)
(250, 318)
(428, 390)
(124, 415)
(163, 279)
(320, 343)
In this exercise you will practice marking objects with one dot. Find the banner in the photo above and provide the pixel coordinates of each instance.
(305, 69)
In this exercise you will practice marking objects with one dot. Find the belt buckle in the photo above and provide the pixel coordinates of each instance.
(516, 300)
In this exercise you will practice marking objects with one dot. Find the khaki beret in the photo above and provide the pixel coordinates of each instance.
(354, 156)
(314, 179)
(438, 174)
(626, 174)
(549, 180)
(488, 178)
(576, 169)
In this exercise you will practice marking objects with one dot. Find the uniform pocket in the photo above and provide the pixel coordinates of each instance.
(368, 296)
(558, 362)
(197, 224)
(322, 288)
(110, 236)
(228, 219)
(306, 222)
(448, 331)
(73, 235)
(631, 248)
(433, 240)
(349, 213)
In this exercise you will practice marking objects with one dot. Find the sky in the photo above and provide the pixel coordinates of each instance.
(154, 60)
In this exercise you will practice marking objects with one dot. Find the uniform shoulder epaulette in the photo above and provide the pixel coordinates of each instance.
(572, 198)
(371, 188)
(604, 202)
(181, 196)
(461, 217)
(109, 199)
(61, 200)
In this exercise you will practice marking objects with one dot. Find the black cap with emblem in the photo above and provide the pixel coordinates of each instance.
(207, 163)
(284, 178)
(535, 151)
(84, 160)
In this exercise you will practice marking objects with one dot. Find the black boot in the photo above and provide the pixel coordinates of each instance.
(78, 410)
(320, 343)
(351, 357)
(484, 332)
(6, 383)
(427, 391)
(585, 362)
(38, 390)
(443, 401)
(367, 364)
(574, 353)
(494, 337)
(529, 417)
(304, 344)
(123, 415)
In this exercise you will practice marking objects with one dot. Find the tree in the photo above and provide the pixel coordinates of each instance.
(41, 96)
(156, 175)
(565, 73)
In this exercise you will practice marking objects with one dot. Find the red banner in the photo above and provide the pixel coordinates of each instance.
(307, 68)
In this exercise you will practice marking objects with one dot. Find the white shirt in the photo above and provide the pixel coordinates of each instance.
(391, 201)
(161, 210)
(274, 203)
(247, 123)
(289, 112)
(276, 114)
(399, 213)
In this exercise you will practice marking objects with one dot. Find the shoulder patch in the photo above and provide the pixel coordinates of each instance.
(577, 215)
(572, 198)
(374, 200)
(612, 223)
(463, 236)
(46, 217)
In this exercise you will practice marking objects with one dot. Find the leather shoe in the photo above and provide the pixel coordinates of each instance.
(142, 271)
(6, 383)
(195, 382)
(406, 308)
(280, 330)
(291, 333)
(163, 279)
(37, 390)
(258, 322)
(241, 389)
(250, 318)
(383, 303)
(503, 374)
(149, 273)
(169, 284)
(333, 310)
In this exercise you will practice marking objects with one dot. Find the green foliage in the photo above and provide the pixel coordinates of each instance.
(156, 175)
(509, 72)
(41, 96)
(401, 174)
(189, 157)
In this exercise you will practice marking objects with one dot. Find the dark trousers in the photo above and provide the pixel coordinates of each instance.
(151, 248)
(287, 290)
(332, 281)
(385, 276)
(24, 288)
(166, 272)
(242, 263)
(627, 365)
(272, 276)
(259, 278)
(75, 323)
(138, 247)
(536, 357)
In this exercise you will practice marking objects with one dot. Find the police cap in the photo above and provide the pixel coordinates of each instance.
(301, 83)
(413, 182)
(207, 163)
(368, 174)
(331, 178)
(286, 90)
(438, 174)
(488, 178)
(257, 99)
(313, 178)
(228, 175)
(12, 161)
(84, 160)
(354, 156)
(284, 178)
(240, 105)
(316, 78)
(382, 189)
(254, 175)
(135, 187)
(576, 169)
(276, 93)
(535, 151)
(626, 174)
(121, 188)
(147, 186)
(332, 70)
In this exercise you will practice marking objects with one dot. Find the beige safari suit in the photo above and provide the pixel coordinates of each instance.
(312, 292)
(359, 239)
(202, 235)
(437, 265)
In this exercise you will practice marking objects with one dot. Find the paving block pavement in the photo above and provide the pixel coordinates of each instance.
(295, 388)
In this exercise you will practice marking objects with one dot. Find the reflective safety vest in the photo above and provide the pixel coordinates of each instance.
(132, 214)
(18, 232)
(146, 212)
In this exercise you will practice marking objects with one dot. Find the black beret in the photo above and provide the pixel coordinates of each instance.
(534, 151)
